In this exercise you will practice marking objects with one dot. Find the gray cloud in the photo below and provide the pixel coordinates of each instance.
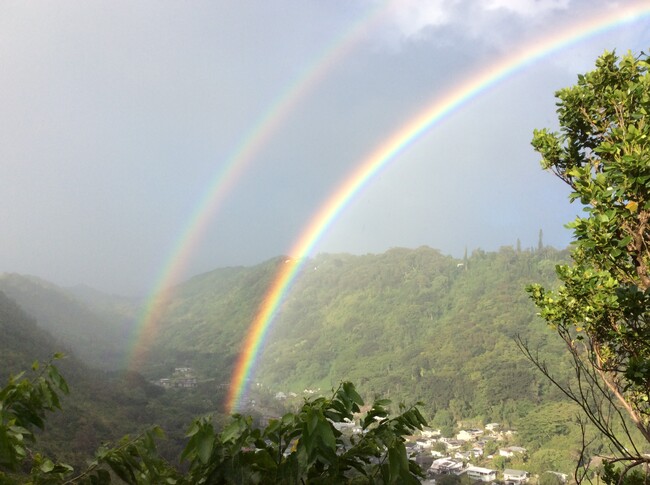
(116, 115)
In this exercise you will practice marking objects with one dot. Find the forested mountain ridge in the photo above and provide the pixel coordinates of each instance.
(417, 325)
(410, 323)
(203, 323)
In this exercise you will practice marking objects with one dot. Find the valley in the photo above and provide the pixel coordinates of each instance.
(411, 325)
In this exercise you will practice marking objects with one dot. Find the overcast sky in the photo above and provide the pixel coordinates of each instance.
(116, 116)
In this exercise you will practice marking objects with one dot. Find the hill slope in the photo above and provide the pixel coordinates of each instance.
(416, 325)
(101, 406)
(97, 339)
(413, 324)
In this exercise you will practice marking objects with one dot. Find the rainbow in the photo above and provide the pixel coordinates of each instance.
(379, 158)
(249, 146)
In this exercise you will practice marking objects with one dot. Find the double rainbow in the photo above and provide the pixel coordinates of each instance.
(397, 143)
(236, 164)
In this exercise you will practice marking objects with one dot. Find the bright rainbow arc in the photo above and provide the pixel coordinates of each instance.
(237, 162)
(388, 151)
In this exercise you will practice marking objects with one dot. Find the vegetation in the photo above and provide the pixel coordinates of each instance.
(458, 321)
(410, 325)
(602, 310)
(305, 447)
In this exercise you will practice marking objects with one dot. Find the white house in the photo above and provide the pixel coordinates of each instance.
(492, 426)
(430, 433)
(511, 451)
(468, 434)
(446, 466)
(481, 474)
(515, 477)
(452, 445)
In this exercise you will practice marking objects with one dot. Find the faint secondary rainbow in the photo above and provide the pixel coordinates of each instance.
(379, 158)
(249, 146)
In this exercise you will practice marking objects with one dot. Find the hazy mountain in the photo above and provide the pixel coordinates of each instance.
(115, 308)
(98, 337)
(100, 407)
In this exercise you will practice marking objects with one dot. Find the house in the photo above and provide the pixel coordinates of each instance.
(178, 382)
(446, 466)
(463, 455)
(469, 434)
(424, 444)
(452, 444)
(481, 474)
(511, 451)
(430, 433)
(515, 477)
(492, 427)
(346, 425)
(186, 382)
(477, 451)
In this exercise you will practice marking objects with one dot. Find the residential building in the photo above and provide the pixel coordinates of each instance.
(515, 477)
(446, 466)
(492, 427)
(481, 474)
(469, 434)
(511, 451)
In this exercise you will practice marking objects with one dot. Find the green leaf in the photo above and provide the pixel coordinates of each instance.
(204, 447)
(47, 466)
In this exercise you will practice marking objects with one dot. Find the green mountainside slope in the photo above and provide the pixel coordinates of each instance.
(410, 323)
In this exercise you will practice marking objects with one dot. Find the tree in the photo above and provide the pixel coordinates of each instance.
(305, 447)
(602, 308)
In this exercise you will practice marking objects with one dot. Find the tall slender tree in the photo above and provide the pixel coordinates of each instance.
(602, 309)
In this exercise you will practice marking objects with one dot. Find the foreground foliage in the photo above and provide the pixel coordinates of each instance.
(305, 447)
(602, 309)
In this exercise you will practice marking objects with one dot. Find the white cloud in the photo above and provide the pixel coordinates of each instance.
(527, 8)
(411, 16)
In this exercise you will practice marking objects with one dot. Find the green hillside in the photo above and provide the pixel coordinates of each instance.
(102, 406)
(416, 325)
(408, 324)
(204, 323)
(412, 324)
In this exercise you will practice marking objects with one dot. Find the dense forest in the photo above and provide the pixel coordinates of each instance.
(409, 324)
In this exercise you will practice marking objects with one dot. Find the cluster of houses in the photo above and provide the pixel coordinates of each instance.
(448, 466)
(440, 456)
(459, 452)
(182, 378)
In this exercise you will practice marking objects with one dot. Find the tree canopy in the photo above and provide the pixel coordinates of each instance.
(602, 308)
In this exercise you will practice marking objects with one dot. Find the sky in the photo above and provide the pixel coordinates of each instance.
(129, 128)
